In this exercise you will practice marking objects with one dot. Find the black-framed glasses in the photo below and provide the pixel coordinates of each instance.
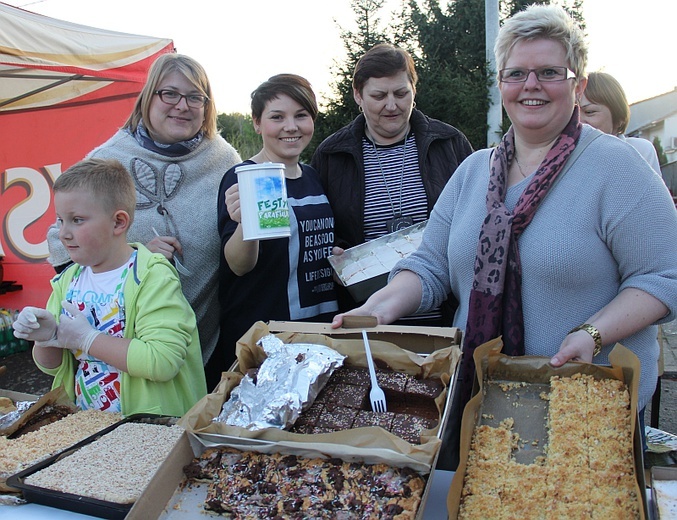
(543, 74)
(172, 97)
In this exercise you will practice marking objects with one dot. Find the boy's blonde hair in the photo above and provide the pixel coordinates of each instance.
(106, 179)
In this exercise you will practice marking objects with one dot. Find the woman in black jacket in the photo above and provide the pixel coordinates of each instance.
(385, 170)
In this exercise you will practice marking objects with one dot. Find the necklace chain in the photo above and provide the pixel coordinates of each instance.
(520, 167)
(385, 182)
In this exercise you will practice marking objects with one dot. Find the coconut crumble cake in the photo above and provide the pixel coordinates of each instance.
(588, 467)
(23, 451)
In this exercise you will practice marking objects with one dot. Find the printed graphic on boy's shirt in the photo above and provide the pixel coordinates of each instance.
(97, 386)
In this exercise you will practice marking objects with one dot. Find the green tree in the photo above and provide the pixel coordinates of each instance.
(453, 78)
(341, 108)
(238, 130)
(449, 49)
(662, 157)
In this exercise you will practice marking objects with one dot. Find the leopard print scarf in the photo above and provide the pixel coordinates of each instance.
(495, 307)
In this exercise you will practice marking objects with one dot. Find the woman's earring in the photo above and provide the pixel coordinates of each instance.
(414, 105)
(360, 108)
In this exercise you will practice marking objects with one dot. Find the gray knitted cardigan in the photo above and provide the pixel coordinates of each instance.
(187, 188)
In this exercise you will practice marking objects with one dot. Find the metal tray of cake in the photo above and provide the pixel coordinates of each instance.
(73, 502)
(364, 269)
(664, 492)
(318, 448)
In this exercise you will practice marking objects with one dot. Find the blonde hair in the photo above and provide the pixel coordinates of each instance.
(193, 72)
(106, 179)
(604, 89)
(544, 21)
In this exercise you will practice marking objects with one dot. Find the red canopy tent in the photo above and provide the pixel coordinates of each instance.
(64, 89)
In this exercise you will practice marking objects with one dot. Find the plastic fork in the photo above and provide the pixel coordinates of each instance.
(179, 266)
(376, 395)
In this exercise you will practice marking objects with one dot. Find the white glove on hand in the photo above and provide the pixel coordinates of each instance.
(35, 324)
(74, 331)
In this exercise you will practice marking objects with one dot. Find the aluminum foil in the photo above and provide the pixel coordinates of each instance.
(286, 384)
(8, 419)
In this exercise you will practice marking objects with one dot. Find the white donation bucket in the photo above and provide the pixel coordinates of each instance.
(263, 201)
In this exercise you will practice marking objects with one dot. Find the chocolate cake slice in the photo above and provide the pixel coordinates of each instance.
(409, 427)
(342, 394)
(344, 404)
(351, 376)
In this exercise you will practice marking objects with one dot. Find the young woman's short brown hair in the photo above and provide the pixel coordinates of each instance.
(294, 86)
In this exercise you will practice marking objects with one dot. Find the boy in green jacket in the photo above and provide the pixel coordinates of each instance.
(117, 333)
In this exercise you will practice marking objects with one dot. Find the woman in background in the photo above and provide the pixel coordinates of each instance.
(604, 106)
(386, 169)
(281, 278)
(172, 149)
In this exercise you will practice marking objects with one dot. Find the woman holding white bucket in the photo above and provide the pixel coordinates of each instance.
(279, 277)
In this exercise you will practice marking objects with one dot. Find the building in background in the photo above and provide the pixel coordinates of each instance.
(657, 117)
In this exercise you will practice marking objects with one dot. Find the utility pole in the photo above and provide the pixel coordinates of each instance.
(495, 113)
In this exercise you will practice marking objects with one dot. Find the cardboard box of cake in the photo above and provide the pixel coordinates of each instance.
(371, 444)
(17, 408)
(556, 442)
(196, 480)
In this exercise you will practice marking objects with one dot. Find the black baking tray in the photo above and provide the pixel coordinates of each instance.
(78, 503)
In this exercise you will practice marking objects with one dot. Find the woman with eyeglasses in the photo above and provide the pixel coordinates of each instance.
(604, 106)
(561, 239)
(171, 147)
(285, 278)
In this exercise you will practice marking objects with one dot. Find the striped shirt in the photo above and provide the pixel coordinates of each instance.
(393, 187)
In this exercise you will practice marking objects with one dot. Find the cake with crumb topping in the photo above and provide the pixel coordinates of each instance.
(588, 468)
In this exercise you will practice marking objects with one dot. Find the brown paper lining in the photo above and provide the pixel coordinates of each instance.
(349, 443)
(491, 365)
